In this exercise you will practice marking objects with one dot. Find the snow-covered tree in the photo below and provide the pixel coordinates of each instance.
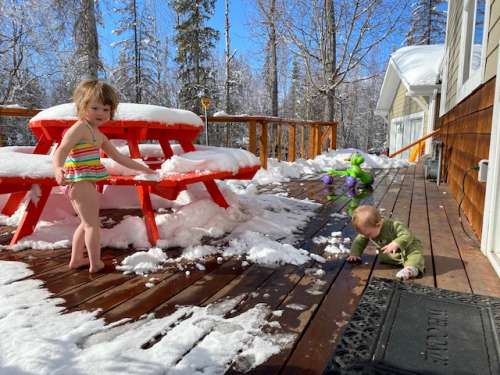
(195, 41)
(428, 22)
(142, 56)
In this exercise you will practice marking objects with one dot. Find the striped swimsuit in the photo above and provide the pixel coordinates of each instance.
(84, 163)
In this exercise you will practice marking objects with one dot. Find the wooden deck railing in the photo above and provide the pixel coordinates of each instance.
(431, 134)
(305, 138)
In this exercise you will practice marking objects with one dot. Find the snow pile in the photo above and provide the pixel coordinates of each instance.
(419, 65)
(220, 113)
(336, 244)
(127, 112)
(18, 162)
(284, 171)
(210, 159)
(40, 339)
(143, 262)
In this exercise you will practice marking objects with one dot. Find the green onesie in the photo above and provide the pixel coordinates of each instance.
(410, 247)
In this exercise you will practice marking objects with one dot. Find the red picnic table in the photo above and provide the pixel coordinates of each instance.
(50, 131)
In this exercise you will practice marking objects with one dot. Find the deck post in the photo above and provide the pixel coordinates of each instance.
(292, 129)
(263, 144)
(252, 137)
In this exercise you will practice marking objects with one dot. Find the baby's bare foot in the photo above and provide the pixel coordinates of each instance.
(77, 263)
(99, 266)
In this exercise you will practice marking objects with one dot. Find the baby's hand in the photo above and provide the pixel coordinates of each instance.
(353, 259)
(391, 248)
(59, 175)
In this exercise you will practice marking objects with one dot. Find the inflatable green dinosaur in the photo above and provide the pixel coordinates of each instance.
(354, 171)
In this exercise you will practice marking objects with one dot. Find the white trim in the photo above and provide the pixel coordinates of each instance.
(490, 238)
(431, 114)
(409, 117)
(444, 83)
(487, 6)
(464, 88)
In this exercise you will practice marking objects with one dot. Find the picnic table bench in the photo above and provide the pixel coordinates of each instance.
(158, 124)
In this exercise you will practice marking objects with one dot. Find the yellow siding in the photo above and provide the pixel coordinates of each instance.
(402, 104)
(493, 38)
(453, 46)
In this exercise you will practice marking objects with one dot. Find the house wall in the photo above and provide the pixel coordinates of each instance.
(493, 38)
(403, 105)
(465, 131)
(453, 32)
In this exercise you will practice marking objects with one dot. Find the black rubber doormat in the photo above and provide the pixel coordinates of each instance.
(401, 328)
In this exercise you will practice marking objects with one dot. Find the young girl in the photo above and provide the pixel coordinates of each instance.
(398, 246)
(78, 165)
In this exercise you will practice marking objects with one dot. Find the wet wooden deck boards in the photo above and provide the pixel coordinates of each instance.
(453, 262)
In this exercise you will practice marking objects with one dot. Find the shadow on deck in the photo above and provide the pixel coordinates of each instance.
(453, 260)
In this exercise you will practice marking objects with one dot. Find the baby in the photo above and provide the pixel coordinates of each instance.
(396, 244)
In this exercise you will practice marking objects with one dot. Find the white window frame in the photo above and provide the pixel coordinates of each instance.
(467, 33)
(490, 234)
(405, 121)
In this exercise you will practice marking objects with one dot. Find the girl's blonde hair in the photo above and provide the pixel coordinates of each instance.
(94, 89)
(366, 216)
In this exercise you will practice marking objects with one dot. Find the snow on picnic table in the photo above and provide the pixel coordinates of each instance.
(127, 111)
(39, 338)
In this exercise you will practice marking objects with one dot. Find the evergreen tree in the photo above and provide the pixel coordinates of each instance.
(428, 23)
(195, 41)
(136, 76)
(294, 104)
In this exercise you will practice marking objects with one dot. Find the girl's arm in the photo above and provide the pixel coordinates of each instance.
(71, 137)
(114, 154)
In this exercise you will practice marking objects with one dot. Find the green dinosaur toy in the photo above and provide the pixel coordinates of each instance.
(355, 170)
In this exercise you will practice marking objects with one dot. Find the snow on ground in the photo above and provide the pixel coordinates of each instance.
(39, 338)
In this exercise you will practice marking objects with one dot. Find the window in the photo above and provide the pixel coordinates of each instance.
(473, 30)
(405, 130)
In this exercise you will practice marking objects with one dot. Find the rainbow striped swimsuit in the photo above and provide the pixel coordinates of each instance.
(84, 164)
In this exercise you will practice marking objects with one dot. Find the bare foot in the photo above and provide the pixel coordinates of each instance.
(77, 263)
(99, 266)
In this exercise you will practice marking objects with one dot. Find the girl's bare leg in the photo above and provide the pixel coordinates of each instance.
(86, 201)
(77, 249)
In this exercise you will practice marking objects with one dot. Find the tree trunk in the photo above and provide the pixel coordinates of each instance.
(274, 63)
(330, 60)
(137, 52)
(429, 22)
(227, 105)
(87, 47)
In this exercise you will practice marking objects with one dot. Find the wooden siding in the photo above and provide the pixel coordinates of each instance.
(493, 38)
(465, 132)
(454, 30)
(402, 104)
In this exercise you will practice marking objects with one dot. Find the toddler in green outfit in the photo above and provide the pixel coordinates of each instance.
(396, 244)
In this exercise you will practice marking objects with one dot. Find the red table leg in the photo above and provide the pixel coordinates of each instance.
(211, 186)
(215, 193)
(31, 215)
(143, 194)
(149, 215)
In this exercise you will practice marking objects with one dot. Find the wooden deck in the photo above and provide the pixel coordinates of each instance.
(453, 262)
